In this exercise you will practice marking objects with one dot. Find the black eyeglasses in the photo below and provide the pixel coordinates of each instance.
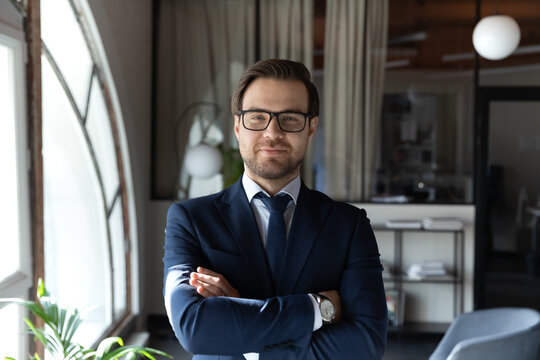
(288, 121)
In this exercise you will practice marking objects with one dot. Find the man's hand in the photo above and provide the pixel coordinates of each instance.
(209, 283)
(333, 295)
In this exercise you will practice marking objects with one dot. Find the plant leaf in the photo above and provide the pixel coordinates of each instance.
(147, 354)
(48, 342)
(34, 331)
(72, 325)
(35, 308)
(73, 351)
(89, 354)
(106, 345)
(127, 350)
(41, 291)
(61, 325)
(60, 322)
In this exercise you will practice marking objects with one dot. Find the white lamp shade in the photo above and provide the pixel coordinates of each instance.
(496, 37)
(202, 161)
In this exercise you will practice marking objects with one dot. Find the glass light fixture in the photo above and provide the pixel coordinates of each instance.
(203, 161)
(496, 37)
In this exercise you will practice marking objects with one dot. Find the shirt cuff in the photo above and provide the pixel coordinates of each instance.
(317, 323)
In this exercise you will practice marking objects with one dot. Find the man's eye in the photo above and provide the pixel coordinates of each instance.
(288, 118)
(256, 117)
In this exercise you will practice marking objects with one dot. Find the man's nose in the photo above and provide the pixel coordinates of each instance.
(273, 130)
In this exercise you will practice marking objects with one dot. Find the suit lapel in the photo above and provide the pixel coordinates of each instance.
(309, 217)
(238, 216)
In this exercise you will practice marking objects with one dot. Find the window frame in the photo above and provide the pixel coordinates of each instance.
(19, 284)
(30, 10)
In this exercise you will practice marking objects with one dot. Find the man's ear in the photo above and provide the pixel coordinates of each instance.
(312, 126)
(236, 125)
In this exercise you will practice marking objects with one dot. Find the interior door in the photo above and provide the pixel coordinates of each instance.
(507, 260)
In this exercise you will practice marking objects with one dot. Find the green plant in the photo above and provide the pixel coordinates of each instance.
(233, 166)
(60, 327)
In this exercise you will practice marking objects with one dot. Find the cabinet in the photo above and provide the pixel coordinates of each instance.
(454, 278)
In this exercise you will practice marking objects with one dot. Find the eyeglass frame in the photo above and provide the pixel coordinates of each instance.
(276, 115)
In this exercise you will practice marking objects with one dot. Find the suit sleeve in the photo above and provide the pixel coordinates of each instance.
(362, 332)
(222, 325)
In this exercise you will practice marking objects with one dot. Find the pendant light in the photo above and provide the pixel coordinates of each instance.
(496, 37)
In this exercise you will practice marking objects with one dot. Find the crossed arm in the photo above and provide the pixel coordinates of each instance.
(209, 283)
(203, 305)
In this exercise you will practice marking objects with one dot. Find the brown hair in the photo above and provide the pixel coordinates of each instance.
(276, 69)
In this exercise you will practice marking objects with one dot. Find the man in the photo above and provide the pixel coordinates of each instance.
(246, 278)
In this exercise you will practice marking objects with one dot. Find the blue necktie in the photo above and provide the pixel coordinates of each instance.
(276, 233)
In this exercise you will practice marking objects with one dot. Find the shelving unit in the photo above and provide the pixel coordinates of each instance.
(455, 279)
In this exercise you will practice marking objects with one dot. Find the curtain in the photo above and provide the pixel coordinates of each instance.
(203, 48)
(354, 59)
(287, 33)
(287, 30)
(376, 43)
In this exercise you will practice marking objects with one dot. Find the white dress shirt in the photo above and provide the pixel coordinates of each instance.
(262, 216)
(261, 212)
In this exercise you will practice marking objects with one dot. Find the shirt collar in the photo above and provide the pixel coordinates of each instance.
(252, 188)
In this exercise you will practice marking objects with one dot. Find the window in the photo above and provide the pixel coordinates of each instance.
(15, 271)
(86, 228)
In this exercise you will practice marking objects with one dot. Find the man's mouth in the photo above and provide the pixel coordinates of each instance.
(273, 150)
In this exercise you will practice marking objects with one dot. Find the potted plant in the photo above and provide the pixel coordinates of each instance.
(60, 327)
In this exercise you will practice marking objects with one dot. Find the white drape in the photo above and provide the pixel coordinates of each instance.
(376, 43)
(287, 30)
(287, 33)
(351, 116)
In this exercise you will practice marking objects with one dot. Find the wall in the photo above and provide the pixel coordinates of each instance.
(9, 15)
(527, 75)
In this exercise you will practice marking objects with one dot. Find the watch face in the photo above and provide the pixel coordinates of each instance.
(327, 310)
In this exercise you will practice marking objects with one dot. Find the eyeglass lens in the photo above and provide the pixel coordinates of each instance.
(288, 121)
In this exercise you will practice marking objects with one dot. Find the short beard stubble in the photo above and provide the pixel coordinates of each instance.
(272, 169)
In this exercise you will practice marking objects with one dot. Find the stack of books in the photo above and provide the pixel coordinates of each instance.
(431, 223)
(403, 224)
(387, 270)
(401, 199)
(424, 269)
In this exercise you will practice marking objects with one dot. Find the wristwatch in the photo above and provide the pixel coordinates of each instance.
(328, 311)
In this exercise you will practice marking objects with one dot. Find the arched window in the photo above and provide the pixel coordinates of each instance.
(87, 233)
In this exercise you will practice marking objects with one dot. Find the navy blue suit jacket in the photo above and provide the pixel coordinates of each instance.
(330, 246)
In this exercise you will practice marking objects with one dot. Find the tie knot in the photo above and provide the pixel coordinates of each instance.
(277, 203)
